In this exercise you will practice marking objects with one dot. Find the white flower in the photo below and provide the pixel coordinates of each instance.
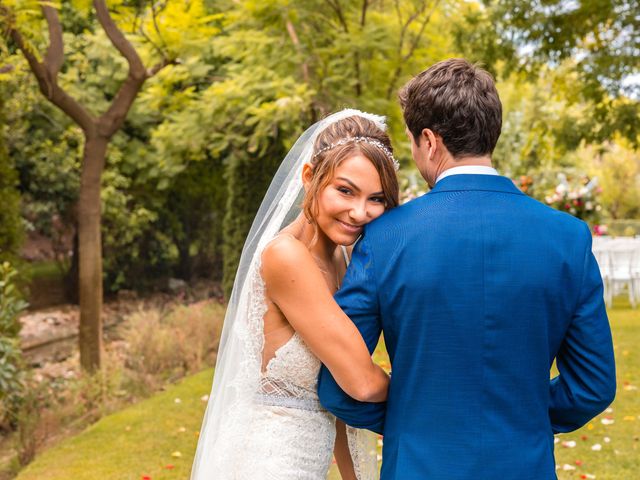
(588, 206)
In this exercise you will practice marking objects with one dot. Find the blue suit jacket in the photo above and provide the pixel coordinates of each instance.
(477, 288)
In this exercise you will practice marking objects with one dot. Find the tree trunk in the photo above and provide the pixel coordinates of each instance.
(90, 243)
(71, 277)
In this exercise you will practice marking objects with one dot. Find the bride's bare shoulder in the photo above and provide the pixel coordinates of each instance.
(283, 256)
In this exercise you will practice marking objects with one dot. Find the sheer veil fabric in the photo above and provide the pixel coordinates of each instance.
(237, 378)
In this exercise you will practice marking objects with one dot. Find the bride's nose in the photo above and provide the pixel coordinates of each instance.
(358, 212)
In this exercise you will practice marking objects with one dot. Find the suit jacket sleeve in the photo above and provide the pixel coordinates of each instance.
(586, 384)
(358, 297)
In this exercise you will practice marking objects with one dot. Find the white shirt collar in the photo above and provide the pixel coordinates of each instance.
(468, 169)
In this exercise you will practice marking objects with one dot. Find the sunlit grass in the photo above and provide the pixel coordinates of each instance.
(155, 438)
(145, 439)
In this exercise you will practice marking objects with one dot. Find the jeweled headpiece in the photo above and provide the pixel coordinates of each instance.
(371, 141)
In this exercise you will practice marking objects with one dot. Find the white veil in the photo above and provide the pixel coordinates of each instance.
(238, 367)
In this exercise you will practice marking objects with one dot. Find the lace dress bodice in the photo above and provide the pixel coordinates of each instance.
(291, 435)
(294, 353)
(291, 377)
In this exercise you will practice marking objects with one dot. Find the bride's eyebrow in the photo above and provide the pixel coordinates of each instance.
(355, 187)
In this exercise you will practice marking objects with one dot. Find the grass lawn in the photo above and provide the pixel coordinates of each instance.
(608, 448)
(156, 438)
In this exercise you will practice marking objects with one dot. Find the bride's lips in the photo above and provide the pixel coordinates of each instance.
(354, 229)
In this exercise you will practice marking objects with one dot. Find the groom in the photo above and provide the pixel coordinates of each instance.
(478, 289)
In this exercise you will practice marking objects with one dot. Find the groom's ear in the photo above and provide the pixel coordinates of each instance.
(429, 137)
(307, 175)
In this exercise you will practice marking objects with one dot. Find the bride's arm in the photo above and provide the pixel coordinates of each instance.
(342, 453)
(294, 282)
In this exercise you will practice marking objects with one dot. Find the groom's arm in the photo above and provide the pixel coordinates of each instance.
(586, 384)
(358, 297)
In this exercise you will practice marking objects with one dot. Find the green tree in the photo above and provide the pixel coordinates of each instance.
(617, 167)
(354, 54)
(597, 39)
(21, 27)
(10, 221)
(11, 364)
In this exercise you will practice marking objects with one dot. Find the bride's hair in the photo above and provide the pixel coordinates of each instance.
(341, 140)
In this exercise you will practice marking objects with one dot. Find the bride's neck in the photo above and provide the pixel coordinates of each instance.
(316, 241)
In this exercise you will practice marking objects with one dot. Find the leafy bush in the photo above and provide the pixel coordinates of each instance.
(10, 222)
(165, 346)
(11, 371)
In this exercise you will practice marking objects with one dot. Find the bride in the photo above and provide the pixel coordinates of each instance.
(264, 420)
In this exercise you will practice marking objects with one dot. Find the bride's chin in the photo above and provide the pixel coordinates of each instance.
(346, 241)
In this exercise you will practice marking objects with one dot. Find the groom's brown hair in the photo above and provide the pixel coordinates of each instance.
(458, 101)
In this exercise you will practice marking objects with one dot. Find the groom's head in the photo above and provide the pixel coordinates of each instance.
(453, 104)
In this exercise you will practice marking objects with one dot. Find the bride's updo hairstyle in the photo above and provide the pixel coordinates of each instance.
(340, 141)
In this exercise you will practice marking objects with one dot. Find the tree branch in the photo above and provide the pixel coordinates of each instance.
(55, 53)
(48, 85)
(160, 65)
(363, 13)
(335, 5)
(119, 41)
(418, 37)
(111, 121)
(296, 43)
(414, 43)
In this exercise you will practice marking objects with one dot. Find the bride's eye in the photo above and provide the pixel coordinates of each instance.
(345, 190)
(378, 200)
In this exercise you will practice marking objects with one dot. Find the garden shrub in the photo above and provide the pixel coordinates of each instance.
(247, 181)
(10, 221)
(11, 364)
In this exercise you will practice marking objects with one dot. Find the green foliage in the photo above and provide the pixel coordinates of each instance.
(596, 39)
(147, 436)
(11, 366)
(10, 221)
(139, 222)
(617, 167)
(187, 171)
(539, 123)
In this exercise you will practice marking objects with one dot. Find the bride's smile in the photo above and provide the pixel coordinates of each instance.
(345, 205)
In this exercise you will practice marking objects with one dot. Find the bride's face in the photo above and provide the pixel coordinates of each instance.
(352, 198)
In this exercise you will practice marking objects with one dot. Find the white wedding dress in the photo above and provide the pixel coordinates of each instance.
(291, 435)
(267, 423)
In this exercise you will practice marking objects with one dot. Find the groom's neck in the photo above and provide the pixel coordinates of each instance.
(451, 162)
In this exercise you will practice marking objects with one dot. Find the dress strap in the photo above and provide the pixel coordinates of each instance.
(345, 254)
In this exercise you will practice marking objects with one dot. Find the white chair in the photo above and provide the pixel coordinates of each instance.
(604, 262)
(635, 275)
(621, 256)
